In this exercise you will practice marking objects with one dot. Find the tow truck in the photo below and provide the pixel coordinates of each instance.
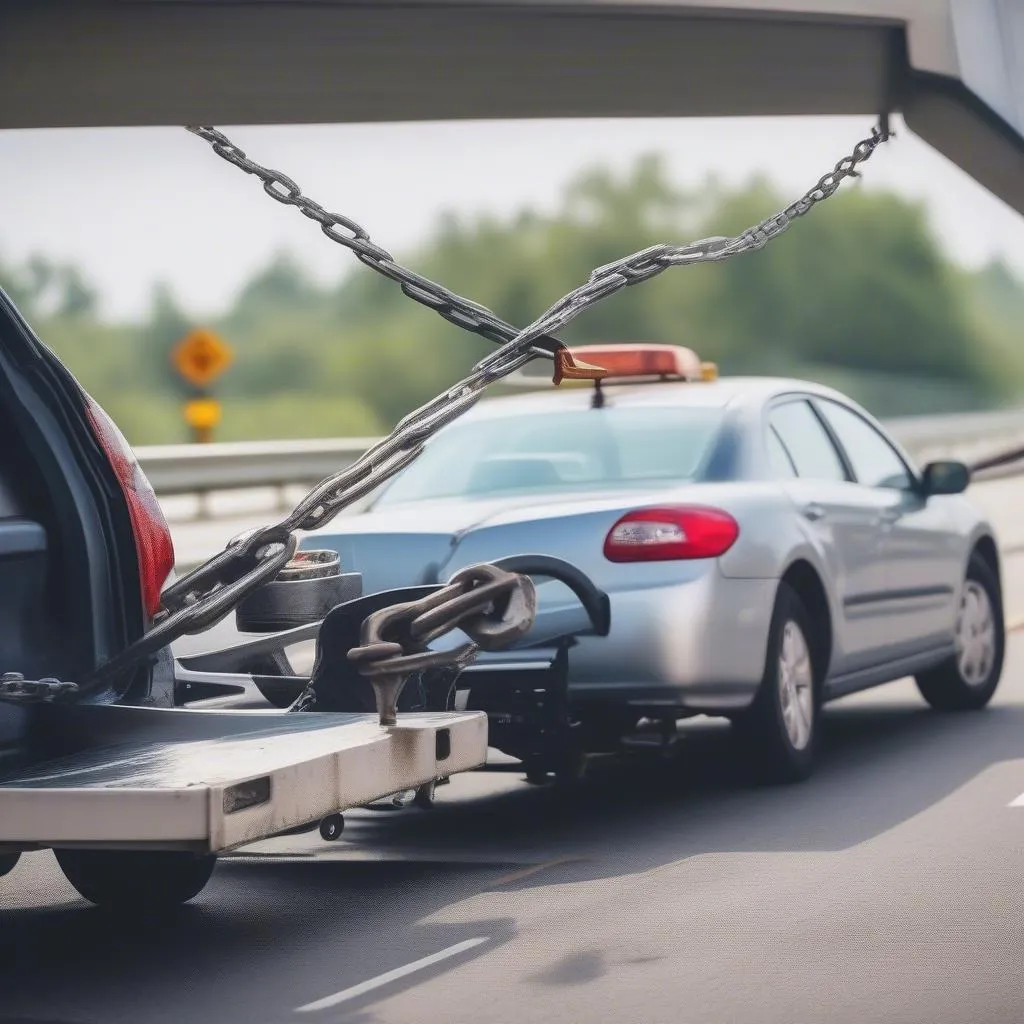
(136, 794)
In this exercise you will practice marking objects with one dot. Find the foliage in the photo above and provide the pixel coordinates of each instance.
(858, 294)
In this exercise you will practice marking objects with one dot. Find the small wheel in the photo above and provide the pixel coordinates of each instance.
(967, 680)
(136, 880)
(424, 797)
(8, 862)
(331, 827)
(781, 725)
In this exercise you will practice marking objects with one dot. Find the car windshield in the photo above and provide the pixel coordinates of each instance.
(559, 452)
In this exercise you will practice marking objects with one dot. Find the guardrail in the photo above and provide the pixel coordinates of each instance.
(203, 468)
(176, 470)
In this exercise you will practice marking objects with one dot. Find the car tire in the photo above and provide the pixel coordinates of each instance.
(136, 881)
(780, 729)
(8, 862)
(967, 680)
(280, 695)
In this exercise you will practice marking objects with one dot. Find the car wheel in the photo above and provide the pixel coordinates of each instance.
(780, 728)
(967, 680)
(280, 695)
(130, 880)
(8, 862)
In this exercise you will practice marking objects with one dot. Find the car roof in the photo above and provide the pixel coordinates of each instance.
(723, 393)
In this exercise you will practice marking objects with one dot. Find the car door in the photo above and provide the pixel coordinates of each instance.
(844, 518)
(923, 553)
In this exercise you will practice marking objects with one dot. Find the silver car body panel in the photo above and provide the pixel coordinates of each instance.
(694, 633)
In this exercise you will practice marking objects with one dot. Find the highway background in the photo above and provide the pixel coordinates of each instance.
(885, 889)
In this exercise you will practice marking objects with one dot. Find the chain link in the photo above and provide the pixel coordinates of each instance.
(491, 606)
(468, 315)
(210, 592)
(15, 688)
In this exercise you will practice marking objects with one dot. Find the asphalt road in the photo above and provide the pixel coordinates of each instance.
(886, 889)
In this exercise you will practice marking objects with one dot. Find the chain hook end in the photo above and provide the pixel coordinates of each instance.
(569, 368)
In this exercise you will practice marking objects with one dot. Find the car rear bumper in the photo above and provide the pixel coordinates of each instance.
(698, 645)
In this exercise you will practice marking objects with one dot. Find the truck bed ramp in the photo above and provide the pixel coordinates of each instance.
(148, 778)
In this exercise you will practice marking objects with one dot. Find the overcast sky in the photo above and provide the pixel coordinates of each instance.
(133, 206)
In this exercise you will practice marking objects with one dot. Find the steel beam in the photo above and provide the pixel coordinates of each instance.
(952, 67)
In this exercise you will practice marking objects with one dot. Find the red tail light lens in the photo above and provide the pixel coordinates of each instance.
(666, 534)
(153, 543)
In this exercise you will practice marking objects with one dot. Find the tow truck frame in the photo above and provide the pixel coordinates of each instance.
(151, 780)
(205, 781)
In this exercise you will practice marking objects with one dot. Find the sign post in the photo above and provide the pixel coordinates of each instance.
(200, 358)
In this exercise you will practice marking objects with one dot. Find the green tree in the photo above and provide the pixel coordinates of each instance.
(858, 294)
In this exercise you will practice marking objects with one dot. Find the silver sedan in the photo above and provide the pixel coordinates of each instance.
(764, 545)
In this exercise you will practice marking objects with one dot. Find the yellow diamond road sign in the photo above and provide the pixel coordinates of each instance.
(200, 357)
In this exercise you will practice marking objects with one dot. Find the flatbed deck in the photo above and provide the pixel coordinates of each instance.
(146, 778)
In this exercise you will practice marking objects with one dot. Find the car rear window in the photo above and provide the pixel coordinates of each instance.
(559, 452)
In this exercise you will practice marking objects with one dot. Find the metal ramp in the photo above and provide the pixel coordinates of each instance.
(147, 778)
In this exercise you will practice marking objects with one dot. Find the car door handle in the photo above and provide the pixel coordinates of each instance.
(887, 517)
(813, 511)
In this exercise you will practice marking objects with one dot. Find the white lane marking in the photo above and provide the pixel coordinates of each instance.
(384, 979)
(1019, 802)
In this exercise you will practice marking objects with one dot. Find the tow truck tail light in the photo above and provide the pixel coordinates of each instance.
(153, 544)
(671, 533)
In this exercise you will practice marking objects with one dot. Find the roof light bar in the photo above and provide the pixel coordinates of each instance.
(641, 360)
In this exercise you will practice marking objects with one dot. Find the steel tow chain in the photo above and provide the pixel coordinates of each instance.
(604, 281)
(491, 606)
(16, 689)
(468, 315)
(208, 593)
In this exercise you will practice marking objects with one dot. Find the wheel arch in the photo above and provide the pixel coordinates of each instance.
(806, 583)
(987, 550)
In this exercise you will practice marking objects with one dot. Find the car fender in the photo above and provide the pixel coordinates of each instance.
(772, 536)
(772, 540)
(982, 531)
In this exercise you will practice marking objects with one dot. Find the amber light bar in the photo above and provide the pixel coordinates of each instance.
(641, 360)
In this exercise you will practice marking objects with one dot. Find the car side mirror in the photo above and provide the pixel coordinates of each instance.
(945, 477)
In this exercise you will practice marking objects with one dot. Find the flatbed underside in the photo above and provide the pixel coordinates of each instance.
(947, 65)
(210, 780)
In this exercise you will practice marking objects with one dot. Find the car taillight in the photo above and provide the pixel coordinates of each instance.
(153, 544)
(665, 534)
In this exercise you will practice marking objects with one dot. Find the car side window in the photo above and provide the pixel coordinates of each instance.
(806, 441)
(782, 464)
(874, 460)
